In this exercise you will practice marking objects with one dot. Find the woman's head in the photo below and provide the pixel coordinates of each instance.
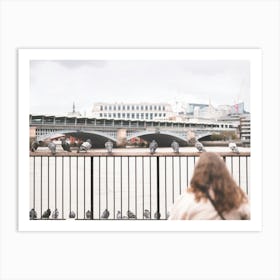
(211, 174)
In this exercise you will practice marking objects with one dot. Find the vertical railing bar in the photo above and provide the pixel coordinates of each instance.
(150, 185)
(62, 183)
(70, 188)
(180, 182)
(143, 191)
(91, 188)
(114, 186)
(231, 165)
(85, 187)
(77, 187)
(106, 182)
(135, 175)
(239, 171)
(247, 189)
(165, 185)
(34, 174)
(128, 188)
(158, 191)
(55, 189)
(187, 173)
(41, 186)
(48, 182)
(121, 159)
(99, 186)
(172, 179)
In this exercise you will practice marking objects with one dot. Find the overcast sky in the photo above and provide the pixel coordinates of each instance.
(55, 85)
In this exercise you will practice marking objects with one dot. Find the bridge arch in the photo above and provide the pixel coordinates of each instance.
(98, 138)
(164, 139)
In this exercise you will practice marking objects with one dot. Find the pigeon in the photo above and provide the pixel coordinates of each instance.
(72, 215)
(89, 215)
(85, 146)
(233, 148)
(153, 146)
(109, 146)
(34, 146)
(55, 214)
(130, 215)
(52, 147)
(105, 214)
(46, 214)
(32, 214)
(65, 145)
(175, 146)
(147, 214)
(199, 146)
(119, 215)
(157, 215)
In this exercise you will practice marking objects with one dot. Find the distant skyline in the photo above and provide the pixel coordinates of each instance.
(55, 85)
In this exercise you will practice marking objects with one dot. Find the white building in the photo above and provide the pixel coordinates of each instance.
(137, 111)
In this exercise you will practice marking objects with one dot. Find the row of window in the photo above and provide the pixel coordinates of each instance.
(137, 116)
(132, 107)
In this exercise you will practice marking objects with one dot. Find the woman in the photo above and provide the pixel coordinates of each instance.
(213, 194)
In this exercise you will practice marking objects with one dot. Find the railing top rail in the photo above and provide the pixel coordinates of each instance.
(135, 154)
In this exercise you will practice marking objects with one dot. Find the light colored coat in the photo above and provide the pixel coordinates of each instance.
(187, 208)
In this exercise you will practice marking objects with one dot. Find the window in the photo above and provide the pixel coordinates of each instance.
(155, 114)
(146, 108)
(114, 115)
(114, 108)
(128, 107)
(146, 115)
(137, 116)
(142, 107)
(151, 116)
(159, 114)
(119, 115)
(151, 107)
(109, 115)
(142, 116)
(132, 115)
(119, 107)
(105, 108)
(155, 107)
(101, 108)
(110, 108)
(137, 107)
(163, 108)
(105, 115)
(101, 115)
(132, 107)
(128, 115)
(123, 115)
(123, 107)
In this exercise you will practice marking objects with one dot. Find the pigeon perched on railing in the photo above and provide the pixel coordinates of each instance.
(34, 146)
(46, 214)
(153, 146)
(65, 145)
(233, 148)
(157, 215)
(52, 148)
(109, 146)
(89, 215)
(175, 146)
(147, 214)
(119, 215)
(199, 146)
(72, 215)
(32, 214)
(105, 214)
(85, 146)
(55, 214)
(130, 215)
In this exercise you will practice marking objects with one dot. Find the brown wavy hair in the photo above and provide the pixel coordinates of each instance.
(211, 175)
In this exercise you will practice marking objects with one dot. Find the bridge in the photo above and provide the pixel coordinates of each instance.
(121, 131)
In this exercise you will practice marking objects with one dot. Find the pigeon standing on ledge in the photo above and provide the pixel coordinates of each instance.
(34, 146)
(199, 146)
(65, 145)
(157, 215)
(147, 214)
(46, 214)
(175, 146)
(55, 214)
(109, 146)
(32, 214)
(233, 148)
(153, 146)
(52, 147)
(130, 215)
(85, 146)
(72, 215)
(105, 214)
(89, 215)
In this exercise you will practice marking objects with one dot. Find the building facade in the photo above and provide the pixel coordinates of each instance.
(132, 111)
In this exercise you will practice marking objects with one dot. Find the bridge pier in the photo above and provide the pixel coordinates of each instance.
(121, 137)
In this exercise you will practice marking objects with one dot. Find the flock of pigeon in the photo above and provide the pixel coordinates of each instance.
(89, 215)
(87, 145)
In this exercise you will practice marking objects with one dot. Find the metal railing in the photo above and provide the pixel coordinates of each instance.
(99, 187)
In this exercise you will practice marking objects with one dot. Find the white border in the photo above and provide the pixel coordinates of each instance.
(253, 55)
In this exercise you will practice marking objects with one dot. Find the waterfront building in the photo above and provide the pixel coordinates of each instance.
(132, 111)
